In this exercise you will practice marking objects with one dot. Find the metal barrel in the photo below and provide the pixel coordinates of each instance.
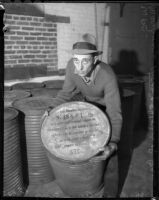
(79, 179)
(48, 92)
(12, 167)
(72, 135)
(11, 96)
(39, 169)
(27, 86)
(137, 85)
(54, 84)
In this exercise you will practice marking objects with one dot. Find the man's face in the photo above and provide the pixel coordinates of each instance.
(83, 63)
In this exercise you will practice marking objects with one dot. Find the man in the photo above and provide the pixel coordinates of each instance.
(98, 85)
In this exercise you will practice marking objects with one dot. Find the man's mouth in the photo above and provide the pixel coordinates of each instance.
(81, 73)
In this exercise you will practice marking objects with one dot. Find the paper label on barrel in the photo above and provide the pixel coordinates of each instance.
(75, 131)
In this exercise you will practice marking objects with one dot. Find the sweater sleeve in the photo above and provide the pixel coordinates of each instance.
(68, 89)
(113, 107)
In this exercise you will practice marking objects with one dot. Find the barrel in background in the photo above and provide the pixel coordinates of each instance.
(136, 85)
(47, 92)
(27, 86)
(13, 183)
(11, 96)
(39, 170)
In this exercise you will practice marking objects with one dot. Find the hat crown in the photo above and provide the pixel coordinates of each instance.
(86, 45)
(89, 39)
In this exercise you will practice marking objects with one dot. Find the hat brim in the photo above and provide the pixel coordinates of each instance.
(85, 51)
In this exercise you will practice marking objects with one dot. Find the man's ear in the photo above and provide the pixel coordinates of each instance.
(95, 59)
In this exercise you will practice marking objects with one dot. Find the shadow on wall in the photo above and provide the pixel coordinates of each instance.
(127, 63)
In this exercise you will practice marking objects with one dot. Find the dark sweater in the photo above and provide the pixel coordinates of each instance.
(103, 91)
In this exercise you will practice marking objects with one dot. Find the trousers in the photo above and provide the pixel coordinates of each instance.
(111, 176)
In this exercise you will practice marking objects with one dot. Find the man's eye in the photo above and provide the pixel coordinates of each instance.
(85, 61)
(75, 60)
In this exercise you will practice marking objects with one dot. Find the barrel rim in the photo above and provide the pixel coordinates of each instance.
(24, 85)
(21, 92)
(11, 117)
(24, 108)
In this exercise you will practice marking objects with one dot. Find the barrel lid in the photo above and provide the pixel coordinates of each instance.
(15, 94)
(27, 85)
(9, 114)
(75, 131)
(33, 104)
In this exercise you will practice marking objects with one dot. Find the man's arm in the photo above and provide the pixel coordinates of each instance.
(68, 89)
(113, 110)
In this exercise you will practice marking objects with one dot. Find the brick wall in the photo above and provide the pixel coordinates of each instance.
(30, 42)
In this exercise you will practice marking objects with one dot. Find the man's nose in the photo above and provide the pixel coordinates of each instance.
(80, 66)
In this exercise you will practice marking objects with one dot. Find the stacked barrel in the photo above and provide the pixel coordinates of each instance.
(47, 92)
(55, 85)
(27, 86)
(11, 95)
(50, 89)
(12, 176)
(33, 108)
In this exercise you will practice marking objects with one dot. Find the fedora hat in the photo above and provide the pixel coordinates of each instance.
(86, 45)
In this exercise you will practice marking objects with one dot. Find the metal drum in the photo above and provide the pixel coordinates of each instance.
(72, 134)
(54, 84)
(39, 169)
(12, 168)
(48, 92)
(11, 96)
(135, 84)
(27, 86)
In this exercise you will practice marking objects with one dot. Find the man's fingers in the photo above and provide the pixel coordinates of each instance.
(104, 156)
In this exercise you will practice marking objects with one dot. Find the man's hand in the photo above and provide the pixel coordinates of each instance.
(107, 152)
